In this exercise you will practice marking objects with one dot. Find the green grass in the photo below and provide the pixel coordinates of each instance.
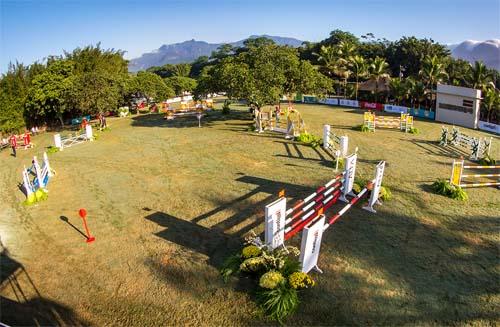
(168, 202)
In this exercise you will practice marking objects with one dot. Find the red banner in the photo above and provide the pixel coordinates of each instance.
(371, 106)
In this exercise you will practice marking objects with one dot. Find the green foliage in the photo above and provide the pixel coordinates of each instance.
(385, 193)
(444, 187)
(250, 251)
(414, 130)
(271, 280)
(230, 267)
(181, 84)
(278, 303)
(150, 85)
(361, 128)
(38, 196)
(309, 139)
(341, 163)
(52, 149)
(356, 188)
(487, 161)
(254, 265)
(300, 280)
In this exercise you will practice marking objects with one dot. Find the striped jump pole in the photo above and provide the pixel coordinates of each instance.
(457, 174)
(282, 224)
(312, 234)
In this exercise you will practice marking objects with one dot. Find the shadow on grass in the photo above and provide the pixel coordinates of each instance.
(66, 220)
(384, 269)
(211, 117)
(434, 148)
(29, 308)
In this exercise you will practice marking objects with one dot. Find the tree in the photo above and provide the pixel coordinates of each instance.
(262, 75)
(223, 51)
(337, 36)
(457, 70)
(51, 92)
(198, 65)
(150, 85)
(181, 84)
(409, 53)
(378, 70)
(100, 79)
(359, 68)
(433, 71)
(416, 90)
(398, 90)
(491, 102)
(478, 76)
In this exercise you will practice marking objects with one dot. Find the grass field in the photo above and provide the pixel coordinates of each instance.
(168, 201)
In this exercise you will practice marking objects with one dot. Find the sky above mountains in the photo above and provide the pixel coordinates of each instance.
(32, 30)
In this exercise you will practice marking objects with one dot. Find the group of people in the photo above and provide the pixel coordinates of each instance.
(14, 142)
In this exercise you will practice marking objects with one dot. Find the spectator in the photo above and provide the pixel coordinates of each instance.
(13, 144)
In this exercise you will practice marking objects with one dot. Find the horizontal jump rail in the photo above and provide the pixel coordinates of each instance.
(353, 201)
(481, 175)
(480, 184)
(482, 167)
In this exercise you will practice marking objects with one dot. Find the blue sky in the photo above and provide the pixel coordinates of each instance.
(33, 29)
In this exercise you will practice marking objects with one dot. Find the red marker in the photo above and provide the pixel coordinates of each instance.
(83, 213)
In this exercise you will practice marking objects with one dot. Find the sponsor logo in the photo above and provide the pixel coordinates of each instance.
(315, 242)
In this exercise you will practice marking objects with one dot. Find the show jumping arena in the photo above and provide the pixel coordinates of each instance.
(168, 201)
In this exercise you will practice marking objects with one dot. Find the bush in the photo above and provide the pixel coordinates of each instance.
(309, 139)
(385, 193)
(279, 303)
(444, 187)
(414, 130)
(300, 280)
(361, 128)
(250, 251)
(271, 280)
(487, 161)
(230, 267)
(52, 149)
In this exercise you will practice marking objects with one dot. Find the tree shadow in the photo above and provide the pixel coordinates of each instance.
(29, 308)
(434, 148)
(208, 120)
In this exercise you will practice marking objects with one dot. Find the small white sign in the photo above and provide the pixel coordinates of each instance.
(350, 171)
(311, 244)
(275, 223)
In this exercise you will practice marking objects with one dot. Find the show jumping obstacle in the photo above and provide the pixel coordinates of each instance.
(289, 122)
(69, 141)
(336, 145)
(403, 123)
(189, 109)
(41, 177)
(282, 224)
(478, 147)
(457, 173)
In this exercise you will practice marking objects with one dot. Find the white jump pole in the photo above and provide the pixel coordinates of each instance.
(88, 133)
(38, 172)
(47, 165)
(379, 174)
(344, 146)
(349, 173)
(27, 184)
(326, 136)
(58, 142)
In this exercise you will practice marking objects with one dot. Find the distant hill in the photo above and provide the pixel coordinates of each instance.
(188, 51)
(486, 51)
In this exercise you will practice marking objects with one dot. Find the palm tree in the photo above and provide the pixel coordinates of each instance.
(491, 101)
(378, 70)
(328, 57)
(433, 71)
(478, 76)
(417, 91)
(359, 68)
(398, 90)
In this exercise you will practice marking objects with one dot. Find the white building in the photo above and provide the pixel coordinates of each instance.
(458, 105)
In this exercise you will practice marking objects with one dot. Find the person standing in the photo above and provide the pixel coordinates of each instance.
(13, 144)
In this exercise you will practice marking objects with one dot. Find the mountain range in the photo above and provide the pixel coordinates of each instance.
(486, 51)
(188, 51)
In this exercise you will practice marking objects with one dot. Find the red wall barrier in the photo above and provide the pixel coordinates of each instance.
(371, 106)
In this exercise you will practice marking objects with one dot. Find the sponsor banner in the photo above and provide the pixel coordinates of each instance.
(395, 109)
(275, 223)
(349, 103)
(371, 106)
(172, 100)
(422, 113)
(311, 244)
(310, 99)
(329, 101)
(490, 127)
